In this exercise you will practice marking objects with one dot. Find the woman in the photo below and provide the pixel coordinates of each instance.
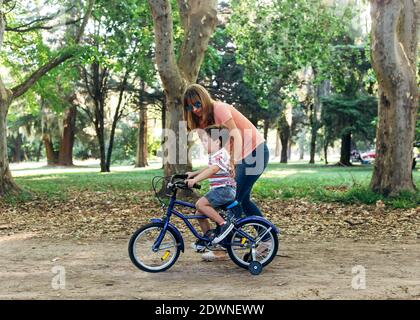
(249, 149)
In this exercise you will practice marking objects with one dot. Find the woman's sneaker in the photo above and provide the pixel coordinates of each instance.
(199, 246)
(223, 231)
(214, 256)
(263, 247)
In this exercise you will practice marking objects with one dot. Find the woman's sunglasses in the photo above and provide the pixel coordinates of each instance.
(196, 105)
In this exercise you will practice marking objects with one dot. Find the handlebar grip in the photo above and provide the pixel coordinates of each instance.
(197, 186)
(180, 176)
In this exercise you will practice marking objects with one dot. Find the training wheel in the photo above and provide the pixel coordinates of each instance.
(255, 268)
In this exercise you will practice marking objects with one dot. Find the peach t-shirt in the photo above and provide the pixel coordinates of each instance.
(251, 138)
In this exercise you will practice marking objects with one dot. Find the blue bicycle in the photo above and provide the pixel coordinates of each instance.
(155, 247)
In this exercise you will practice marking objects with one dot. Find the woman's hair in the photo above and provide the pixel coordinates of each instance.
(194, 93)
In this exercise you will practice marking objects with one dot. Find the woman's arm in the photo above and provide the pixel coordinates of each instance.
(237, 139)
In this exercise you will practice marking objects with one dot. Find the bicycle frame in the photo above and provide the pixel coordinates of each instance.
(171, 211)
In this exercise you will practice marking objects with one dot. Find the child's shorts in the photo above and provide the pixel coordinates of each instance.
(220, 196)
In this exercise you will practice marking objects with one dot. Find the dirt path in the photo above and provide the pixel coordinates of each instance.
(306, 269)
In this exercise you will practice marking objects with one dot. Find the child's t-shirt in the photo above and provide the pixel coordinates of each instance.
(221, 178)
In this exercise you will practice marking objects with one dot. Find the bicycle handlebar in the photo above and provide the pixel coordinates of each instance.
(183, 177)
(179, 176)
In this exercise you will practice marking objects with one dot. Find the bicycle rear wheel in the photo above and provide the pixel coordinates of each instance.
(142, 255)
(240, 247)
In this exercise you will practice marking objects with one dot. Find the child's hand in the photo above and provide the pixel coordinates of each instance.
(190, 182)
(190, 174)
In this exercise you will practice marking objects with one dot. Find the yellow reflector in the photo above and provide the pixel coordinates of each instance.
(243, 240)
(165, 255)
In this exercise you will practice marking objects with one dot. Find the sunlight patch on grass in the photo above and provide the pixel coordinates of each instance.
(286, 172)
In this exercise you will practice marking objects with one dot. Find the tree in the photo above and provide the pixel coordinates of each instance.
(394, 53)
(198, 20)
(117, 42)
(277, 39)
(7, 96)
(141, 154)
(345, 117)
(350, 111)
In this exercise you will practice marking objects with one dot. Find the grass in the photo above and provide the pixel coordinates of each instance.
(280, 181)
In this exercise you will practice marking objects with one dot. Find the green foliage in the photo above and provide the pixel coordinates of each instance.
(275, 39)
(125, 144)
(343, 114)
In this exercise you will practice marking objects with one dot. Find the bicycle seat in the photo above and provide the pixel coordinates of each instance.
(228, 205)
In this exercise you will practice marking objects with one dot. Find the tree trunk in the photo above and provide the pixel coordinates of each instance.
(51, 154)
(394, 54)
(198, 19)
(175, 149)
(277, 150)
(100, 133)
(345, 150)
(7, 185)
(326, 152)
(65, 154)
(285, 126)
(314, 129)
(141, 158)
(141, 155)
(6, 96)
(38, 152)
(321, 90)
(164, 111)
(284, 137)
(99, 78)
(301, 146)
(17, 152)
(266, 127)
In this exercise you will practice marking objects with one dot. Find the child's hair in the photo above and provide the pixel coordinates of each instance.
(222, 133)
(218, 132)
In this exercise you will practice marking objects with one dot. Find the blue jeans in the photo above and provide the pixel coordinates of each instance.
(247, 172)
(220, 196)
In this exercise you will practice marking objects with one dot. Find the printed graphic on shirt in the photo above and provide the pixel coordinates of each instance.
(222, 177)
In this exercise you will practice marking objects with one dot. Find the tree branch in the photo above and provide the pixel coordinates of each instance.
(35, 76)
(1, 29)
(89, 114)
(183, 13)
(85, 21)
(42, 19)
(408, 30)
(164, 51)
(202, 22)
(86, 80)
(21, 29)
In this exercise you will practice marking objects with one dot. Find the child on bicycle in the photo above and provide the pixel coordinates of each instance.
(222, 183)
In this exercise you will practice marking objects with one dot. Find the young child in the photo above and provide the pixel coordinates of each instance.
(222, 184)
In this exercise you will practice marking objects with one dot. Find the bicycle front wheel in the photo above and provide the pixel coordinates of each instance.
(240, 248)
(142, 255)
